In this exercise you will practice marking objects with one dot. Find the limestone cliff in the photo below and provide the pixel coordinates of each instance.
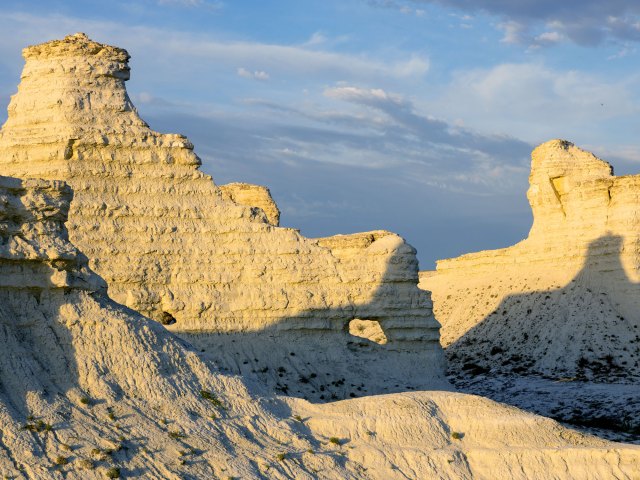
(174, 246)
(90, 389)
(87, 385)
(565, 301)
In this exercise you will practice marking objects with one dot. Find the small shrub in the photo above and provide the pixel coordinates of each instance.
(61, 460)
(176, 435)
(335, 441)
(38, 426)
(85, 400)
(212, 398)
(113, 472)
(281, 457)
(298, 418)
(456, 435)
(86, 464)
(100, 454)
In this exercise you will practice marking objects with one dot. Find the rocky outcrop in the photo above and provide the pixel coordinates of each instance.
(565, 301)
(174, 246)
(87, 385)
(34, 251)
(90, 389)
(252, 196)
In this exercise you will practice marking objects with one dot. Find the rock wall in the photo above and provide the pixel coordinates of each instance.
(87, 385)
(252, 196)
(564, 302)
(90, 389)
(34, 250)
(167, 240)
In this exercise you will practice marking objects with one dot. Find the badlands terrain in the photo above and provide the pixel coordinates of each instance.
(156, 325)
(551, 324)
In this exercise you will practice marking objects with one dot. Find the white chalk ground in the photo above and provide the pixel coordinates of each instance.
(88, 385)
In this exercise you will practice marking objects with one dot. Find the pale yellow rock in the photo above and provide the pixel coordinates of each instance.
(564, 301)
(174, 246)
(252, 196)
(87, 384)
(91, 382)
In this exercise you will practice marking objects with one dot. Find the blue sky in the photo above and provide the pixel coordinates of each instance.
(412, 116)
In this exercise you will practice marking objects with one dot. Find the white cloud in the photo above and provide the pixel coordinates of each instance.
(318, 38)
(256, 75)
(535, 102)
(362, 95)
(548, 38)
(514, 32)
(401, 6)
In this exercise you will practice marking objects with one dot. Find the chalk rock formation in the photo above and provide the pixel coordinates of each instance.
(252, 196)
(565, 302)
(88, 386)
(174, 246)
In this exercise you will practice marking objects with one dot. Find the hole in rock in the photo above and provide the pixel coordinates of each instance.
(167, 319)
(368, 330)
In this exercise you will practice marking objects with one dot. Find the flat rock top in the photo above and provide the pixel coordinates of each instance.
(78, 44)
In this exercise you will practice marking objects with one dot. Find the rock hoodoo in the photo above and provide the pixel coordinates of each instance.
(174, 246)
(564, 302)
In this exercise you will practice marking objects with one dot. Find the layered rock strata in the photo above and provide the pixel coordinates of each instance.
(564, 302)
(90, 389)
(88, 386)
(255, 196)
(174, 246)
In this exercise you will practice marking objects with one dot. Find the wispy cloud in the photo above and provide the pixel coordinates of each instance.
(186, 48)
(537, 102)
(255, 75)
(400, 6)
(585, 22)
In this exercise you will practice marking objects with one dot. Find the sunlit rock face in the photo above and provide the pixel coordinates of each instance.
(566, 300)
(172, 245)
(90, 389)
(253, 196)
(87, 384)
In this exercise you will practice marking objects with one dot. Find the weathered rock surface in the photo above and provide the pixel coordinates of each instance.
(252, 196)
(174, 246)
(87, 385)
(566, 299)
(563, 303)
